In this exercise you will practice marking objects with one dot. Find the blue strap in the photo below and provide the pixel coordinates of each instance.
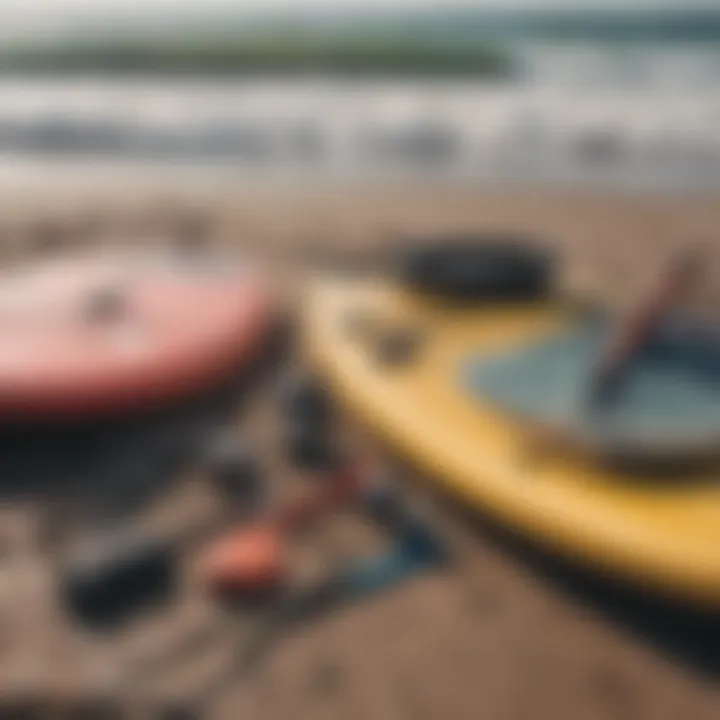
(419, 549)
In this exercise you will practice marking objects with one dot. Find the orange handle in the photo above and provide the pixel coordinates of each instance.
(253, 558)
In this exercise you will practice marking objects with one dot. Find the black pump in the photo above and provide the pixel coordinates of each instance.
(493, 268)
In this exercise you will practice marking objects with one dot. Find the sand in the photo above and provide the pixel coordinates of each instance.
(502, 634)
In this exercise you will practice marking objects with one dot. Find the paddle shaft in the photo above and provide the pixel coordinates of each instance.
(635, 331)
(336, 491)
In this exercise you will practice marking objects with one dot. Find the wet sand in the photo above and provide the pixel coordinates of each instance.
(503, 634)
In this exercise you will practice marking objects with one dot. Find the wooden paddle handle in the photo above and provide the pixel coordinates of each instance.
(633, 333)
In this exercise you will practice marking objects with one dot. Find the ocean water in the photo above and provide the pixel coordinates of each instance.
(643, 117)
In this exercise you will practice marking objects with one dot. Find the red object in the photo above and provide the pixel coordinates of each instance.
(99, 335)
(252, 559)
(342, 489)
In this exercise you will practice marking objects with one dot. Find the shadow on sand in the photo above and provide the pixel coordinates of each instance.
(686, 636)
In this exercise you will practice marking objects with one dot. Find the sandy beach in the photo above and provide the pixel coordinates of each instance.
(503, 634)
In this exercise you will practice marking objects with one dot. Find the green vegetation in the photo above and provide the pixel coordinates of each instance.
(292, 55)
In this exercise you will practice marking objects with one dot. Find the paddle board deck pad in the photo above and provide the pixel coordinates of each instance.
(97, 335)
(475, 380)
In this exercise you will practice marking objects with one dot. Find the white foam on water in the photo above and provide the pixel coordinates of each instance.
(646, 117)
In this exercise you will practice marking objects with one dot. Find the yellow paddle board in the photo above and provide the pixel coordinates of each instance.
(658, 534)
